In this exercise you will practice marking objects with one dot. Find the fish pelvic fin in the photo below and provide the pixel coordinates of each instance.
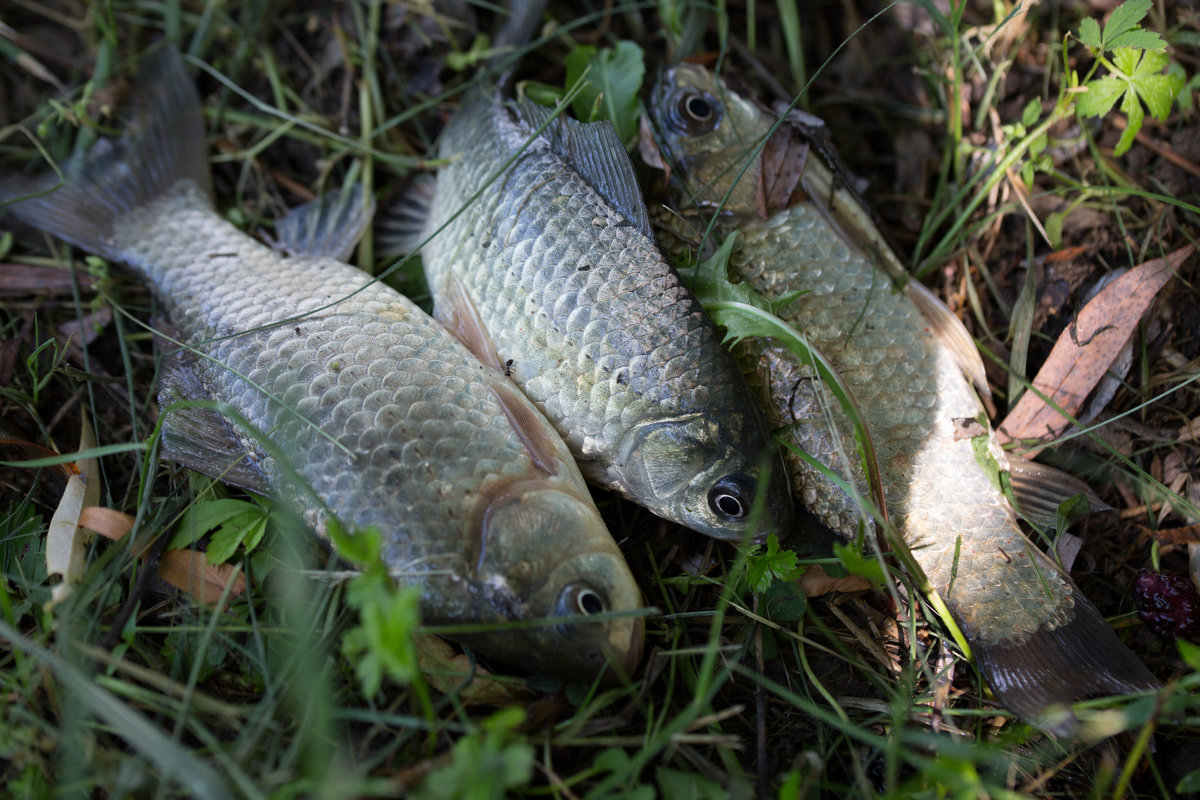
(1040, 677)
(164, 142)
(331, 225)
(1041, 489)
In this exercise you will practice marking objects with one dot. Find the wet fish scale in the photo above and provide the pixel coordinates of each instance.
(904, 385)
(582, 311)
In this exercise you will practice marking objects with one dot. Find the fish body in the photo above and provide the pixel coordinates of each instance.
(373, 413)
(541, 257)
(1040, 643)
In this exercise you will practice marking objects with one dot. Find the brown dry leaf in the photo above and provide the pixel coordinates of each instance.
(187, 570)
(816, 582)
(783, 160)
(190, 571)
(1086, 349)
(1185, 534)
(446, 670)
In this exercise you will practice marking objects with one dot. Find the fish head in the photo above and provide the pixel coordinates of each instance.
(546, 554)
(709, 134)
(683, 469)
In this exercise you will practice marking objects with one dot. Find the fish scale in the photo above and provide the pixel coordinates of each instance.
(904, 359)
(567, 292)
(909, 391)
(358, 404)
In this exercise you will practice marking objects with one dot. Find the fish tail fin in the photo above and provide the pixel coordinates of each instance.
(163, 142)
(1039, 678)
(400, 226)
(516, 29)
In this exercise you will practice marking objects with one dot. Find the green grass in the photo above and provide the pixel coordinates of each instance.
(131, 689)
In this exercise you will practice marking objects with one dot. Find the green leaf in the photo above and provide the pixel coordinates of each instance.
(1188, 783)
(381, 644)
(1126, 59)
(675, 783)
(613, 85)
(1100, 96)
(856, 563)
(204, 516)
(1032, 112)
(1190, 653)
(1133, 110)
(233, 532)
(783, 601)
(486, 763)
(1142, 40)
(1089, 33)
(763, 568)
(1070, 510)
(1125, 17)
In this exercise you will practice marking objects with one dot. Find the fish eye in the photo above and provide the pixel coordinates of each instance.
(697, 108)
(694, 113)
(580, 598)
(730, 497)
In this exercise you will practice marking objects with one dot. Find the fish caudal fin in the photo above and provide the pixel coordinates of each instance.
(1039, 678)
(164, 142)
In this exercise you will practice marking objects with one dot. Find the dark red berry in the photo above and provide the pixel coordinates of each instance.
(1168, 603)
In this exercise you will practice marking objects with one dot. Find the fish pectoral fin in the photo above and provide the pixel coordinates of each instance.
(456, 310)
(200, 438)
(329, 226)
(400, 227)
(542, 444)
(953, 335)
(596, 152)
(1040, 489)
(1040, 677)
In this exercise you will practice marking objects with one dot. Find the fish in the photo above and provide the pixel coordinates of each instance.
(909, 365)
(539, 255)
(344, 399)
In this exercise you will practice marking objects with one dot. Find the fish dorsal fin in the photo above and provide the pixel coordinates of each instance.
(951, 332)
(200, 438)
(456, 310)
(1040, 489)
(164, 143)
(329, 226)
(595, 151)
(400, 227)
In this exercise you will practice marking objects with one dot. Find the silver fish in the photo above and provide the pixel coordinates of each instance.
(370, 411)
(1038, 640)
(542, 261)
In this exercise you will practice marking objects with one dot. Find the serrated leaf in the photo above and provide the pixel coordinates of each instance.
(1089, 33)
(1125, 17)
(1100, 96)
(1133, 110)
(1158, 92)
(1142, 40)
(1126, 59)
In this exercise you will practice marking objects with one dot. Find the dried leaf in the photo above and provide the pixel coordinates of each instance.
(23, 279)
(66, 540)
(816, 582)
(189, 570)
(1185, 534)
(445, 670)
(783, 159)
(1084, 352)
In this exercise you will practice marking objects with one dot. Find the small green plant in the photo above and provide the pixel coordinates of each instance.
(1135, 70)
